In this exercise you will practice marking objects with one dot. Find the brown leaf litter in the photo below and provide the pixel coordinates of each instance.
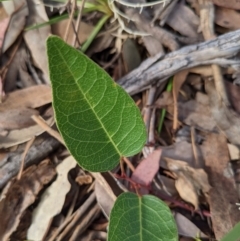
(223, 194)
(190, 182)
(21, 194)
(189, 158)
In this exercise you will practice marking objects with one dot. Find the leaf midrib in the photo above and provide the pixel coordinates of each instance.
(99, 120)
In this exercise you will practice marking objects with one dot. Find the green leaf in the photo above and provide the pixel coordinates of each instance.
(233, 235)
(97, 119)
(145, 218)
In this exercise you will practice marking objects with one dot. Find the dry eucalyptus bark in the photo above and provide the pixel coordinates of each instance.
(218, 51)
(11, 163)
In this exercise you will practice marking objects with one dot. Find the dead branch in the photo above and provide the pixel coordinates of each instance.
(10, 165)
(218, 51)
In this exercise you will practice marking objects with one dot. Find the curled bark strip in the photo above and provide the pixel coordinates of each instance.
(217, 51)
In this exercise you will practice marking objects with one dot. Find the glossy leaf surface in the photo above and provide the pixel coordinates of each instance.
(145, 218)
(97, 119)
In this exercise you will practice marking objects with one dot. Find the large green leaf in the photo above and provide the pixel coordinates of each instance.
(97, 119)
(145, 218)
(233, 235)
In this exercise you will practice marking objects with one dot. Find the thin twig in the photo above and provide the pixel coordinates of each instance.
(194, 146)
(75, 33)
(178, 81)
(41, 122)
(148, 111)
(77, 215)
(71, 208)
(102, 181)
(130, 165)
(115, 57)
(160, 67)
(78, 23)
(70, 20)
(27, 147)
(151, 136)
(83, 225)
(122, 167)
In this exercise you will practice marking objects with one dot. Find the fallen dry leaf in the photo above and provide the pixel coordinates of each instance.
(104, 200)
(190, 182)
(100, 43)
(184, 20)
(107, 188)
(3, 15)
(12, 75)
(187, 190)
(223, 195)
(233, 92)
(227, 18)
(32, 97)
(8, 6)
(152, 45)
(15, 137)
(197, 113)
(21, 194)
(23, 61)
(3, 27)
(233, 4)
(52, 201)
(183, 151)
(18, 106)
(36, 38)
(233, 152)
(165, 100)
(16, 23)
(130, 54)
(225, 117)
(204, 70)
(178, 81)
(193, 112)
(17, 118)
(166, 184)
(146, 170)
(186, 227)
